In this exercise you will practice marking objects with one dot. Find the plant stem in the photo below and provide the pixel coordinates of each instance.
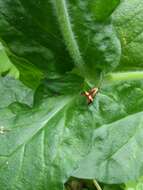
(66, 29)
(124, 76)
(96, 185)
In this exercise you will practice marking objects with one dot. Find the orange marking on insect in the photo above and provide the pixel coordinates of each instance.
(91, 94)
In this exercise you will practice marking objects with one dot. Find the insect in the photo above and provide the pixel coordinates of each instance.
(91, 94)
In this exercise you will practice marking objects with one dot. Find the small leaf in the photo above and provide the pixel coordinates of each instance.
(41, 145)
(49, 37)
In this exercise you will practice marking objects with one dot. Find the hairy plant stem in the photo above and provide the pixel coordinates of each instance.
(67, 32)
(124, 76)
(96, 185)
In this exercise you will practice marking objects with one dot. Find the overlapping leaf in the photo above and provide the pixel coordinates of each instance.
(31, 32)
(42, 146)
(96, 40)
(116, 154)
(128, 19)
(39, 32)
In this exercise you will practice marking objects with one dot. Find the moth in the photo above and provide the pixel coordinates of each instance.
(91, 94)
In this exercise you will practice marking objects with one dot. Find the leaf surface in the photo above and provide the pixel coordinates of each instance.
(32, 35)
(128, 19)
(12, 90)
(117, 145)
(96, 40)
(51, 36)
(42, 145)
(6, 66)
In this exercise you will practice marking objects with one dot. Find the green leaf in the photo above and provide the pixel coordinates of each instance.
(31, 32)
(40, 146)
(128, 19)
(92, 44)
(29, 74)
(43, 35)
(12, 90)
(116, 145)
(64, 85)
(6, 67)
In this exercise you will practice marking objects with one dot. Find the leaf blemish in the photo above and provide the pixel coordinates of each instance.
(3, 130)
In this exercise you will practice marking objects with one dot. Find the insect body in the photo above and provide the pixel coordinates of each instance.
(91, 94)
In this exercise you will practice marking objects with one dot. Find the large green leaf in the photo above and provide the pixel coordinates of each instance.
(116, 154)
(128, 19)
(41, 146)
(116, 147)
(93, 44)
(31, 32)
(43, 33)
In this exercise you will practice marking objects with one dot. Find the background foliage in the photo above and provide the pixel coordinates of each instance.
(50, 53)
